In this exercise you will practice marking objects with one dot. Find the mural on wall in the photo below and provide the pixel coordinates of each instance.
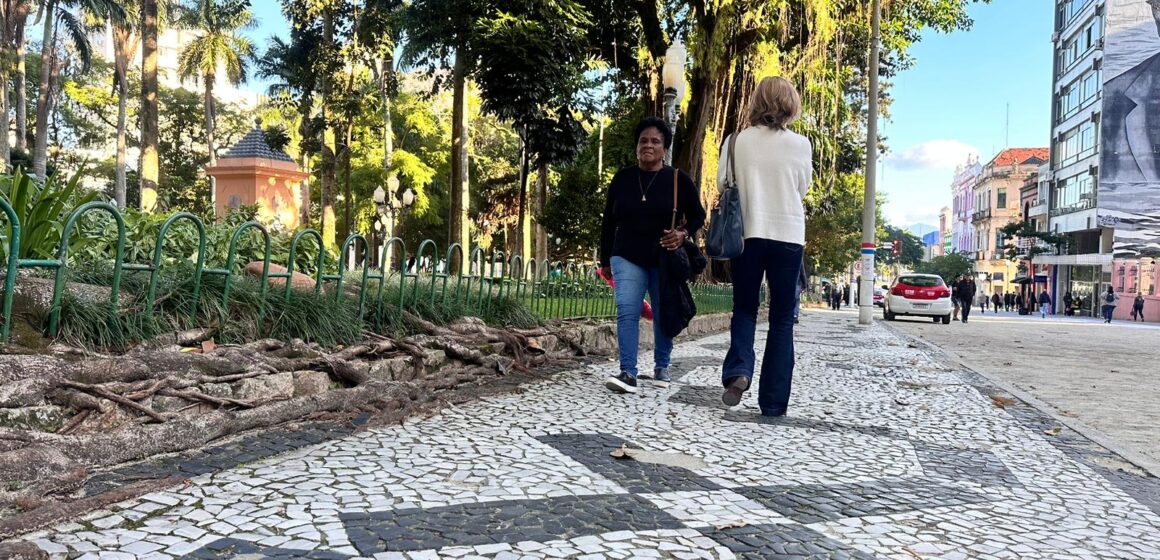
(1129, 187)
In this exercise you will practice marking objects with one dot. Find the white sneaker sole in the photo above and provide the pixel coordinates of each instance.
(614, 385)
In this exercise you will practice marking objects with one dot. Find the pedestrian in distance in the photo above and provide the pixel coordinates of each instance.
(1110, 299)
(955, 296)
(965, 291)
(1068, 302)
(995, 301)
(982, 302)
(1044, 304)
(774, 171)
(1138, 308)
(636, 229)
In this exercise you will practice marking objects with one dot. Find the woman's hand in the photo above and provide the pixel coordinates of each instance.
(673, 239)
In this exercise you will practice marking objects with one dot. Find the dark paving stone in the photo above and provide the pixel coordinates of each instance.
(956, 463)
(592, 451)
(683, 366)
(706, 397)
(233, 548)
(217, 457)
(502, 522)
(716, 346)
(762, 542)
(808, 423)
(814, 503)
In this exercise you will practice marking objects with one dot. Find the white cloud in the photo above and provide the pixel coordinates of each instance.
(935, 154)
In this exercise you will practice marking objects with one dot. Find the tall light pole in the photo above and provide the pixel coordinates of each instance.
(869, 227)
(673, 75)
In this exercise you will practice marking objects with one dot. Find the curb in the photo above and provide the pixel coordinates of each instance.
(1137, 459)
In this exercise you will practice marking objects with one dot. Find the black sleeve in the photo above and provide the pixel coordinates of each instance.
(608, 227)
(690, 206)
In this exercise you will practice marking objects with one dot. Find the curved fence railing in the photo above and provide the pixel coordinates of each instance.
(473, 279)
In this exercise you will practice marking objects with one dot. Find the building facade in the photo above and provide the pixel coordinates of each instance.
(962, 206)
(1102, 184)
(946, 235)
(996, 203)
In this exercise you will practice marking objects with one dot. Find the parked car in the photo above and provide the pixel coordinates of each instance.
(879, 297)
(924, 295)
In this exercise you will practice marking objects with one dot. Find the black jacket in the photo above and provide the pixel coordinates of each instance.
(965, 291)
(677, 307)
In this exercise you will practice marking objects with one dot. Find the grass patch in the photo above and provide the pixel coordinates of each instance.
(320, 318)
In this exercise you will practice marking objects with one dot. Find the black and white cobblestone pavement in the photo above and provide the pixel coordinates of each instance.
(887, 453)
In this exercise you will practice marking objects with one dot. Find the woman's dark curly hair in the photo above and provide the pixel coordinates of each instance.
(655, 122)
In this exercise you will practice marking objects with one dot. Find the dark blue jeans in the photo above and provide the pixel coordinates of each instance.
(779, 263)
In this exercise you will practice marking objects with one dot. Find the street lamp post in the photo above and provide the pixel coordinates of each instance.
(388, 203)
(869, 227)
(673, 75)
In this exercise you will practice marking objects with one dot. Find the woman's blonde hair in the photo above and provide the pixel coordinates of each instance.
(775, 104)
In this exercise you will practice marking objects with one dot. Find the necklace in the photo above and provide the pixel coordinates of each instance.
(643, 190)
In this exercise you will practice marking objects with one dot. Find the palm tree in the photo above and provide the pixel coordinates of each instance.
(63, 13)
(219, 46)
(125, 42)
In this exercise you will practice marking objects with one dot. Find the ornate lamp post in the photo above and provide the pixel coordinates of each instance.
(673, 74)
(388, 203)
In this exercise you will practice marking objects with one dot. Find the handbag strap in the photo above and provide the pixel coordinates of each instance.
(675, 173)
(732, 177)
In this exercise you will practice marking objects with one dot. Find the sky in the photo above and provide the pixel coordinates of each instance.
(954, 101)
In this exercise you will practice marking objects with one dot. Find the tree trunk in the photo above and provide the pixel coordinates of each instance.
(210, 139)
(524, 226)
(460, 189)
(5, 124)
(150, 162)
(44, 91)
(327, 164)
(542, 241)
(21, 79)
(122, 53)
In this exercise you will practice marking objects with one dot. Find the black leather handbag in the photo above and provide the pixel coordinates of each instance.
(726, 225)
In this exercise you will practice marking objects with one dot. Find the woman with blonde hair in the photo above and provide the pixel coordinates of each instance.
(773, 169)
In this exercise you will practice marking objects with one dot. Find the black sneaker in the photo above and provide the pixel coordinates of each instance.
(662, 377)
(622, 383)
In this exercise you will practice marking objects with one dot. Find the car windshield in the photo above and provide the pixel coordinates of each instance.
(921, 281)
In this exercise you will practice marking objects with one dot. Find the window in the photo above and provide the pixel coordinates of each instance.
(921, 281)
(1002, 203)
(1068, 10)
(1077, 143)
(1079, 45)
(1078, 95)
(1071, 191)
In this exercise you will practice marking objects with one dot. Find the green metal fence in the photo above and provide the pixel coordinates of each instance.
(551, 290)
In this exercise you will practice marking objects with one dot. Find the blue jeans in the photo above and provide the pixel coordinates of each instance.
(780, 264)
(632, 282)
(1108, 310)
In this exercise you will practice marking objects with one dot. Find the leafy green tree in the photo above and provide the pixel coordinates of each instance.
(530, 77)
(66, 14)
(1023, 229)
(911, 252)
(948, 267)
(219, 44)
(439, 32)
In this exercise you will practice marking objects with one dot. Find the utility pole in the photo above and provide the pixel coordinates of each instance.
(869, 227)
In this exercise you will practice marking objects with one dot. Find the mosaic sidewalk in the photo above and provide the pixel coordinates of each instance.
(886, 453)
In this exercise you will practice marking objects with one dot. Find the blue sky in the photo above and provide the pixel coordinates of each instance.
(952, 103)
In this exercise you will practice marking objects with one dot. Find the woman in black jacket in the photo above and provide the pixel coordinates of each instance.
(637, 227)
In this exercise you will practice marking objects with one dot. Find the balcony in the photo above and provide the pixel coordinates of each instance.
(980, 215)
(1086, 202)
(1023, 246)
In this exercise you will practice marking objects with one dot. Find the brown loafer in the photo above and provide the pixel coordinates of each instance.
(734, 389)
